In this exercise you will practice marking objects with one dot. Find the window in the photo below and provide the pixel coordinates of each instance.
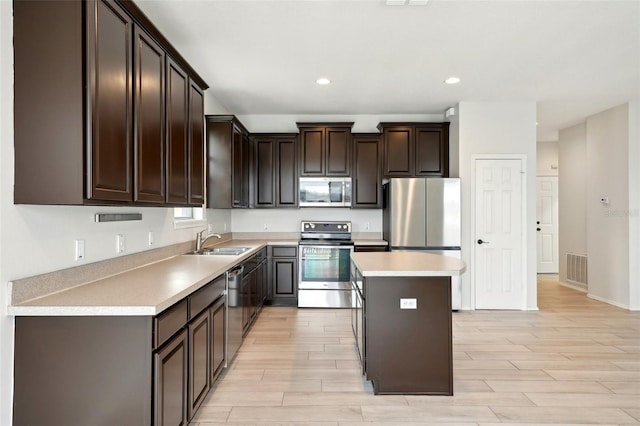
(188, 217)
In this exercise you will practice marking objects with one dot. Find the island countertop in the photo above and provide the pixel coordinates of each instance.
(406, 264)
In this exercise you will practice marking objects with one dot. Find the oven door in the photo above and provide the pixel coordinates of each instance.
(324, 276)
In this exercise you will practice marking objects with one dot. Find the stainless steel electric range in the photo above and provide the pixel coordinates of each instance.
(325, 262)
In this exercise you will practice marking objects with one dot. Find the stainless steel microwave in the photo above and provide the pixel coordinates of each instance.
(325, 192)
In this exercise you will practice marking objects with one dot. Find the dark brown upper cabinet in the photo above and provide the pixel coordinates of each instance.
(149, 122)
(325, 149)
(177, 135)
(110, 84)
(415, 149)
(196, 145)
(367, 170)
(228, 163)
(93, 129)
(275, 173)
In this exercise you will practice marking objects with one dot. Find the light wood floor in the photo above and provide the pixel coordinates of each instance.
(576, 361)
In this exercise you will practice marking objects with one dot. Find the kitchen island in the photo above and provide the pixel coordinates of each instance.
(401, 319)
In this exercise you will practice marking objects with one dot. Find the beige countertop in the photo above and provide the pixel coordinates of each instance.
(406, 264)
(146, 290)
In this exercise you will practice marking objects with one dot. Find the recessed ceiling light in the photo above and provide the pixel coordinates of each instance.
(323, 81)
(452, 80)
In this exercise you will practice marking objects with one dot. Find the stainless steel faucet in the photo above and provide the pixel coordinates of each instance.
(200, 240)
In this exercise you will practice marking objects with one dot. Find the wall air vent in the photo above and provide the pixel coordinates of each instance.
(577, 269)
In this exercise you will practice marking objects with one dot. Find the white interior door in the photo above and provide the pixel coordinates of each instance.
(547, 224)
(499, 243)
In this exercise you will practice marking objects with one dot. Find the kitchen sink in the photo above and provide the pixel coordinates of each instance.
(221, 251)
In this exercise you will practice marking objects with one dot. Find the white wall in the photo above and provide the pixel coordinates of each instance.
(362, 123)
(634, 205)
(288, 220)
(6, 183)
(572, 187)
(497, 128)
(608, 225)
(547, 158)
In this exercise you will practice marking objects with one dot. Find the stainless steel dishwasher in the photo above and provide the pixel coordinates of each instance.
(234, 313)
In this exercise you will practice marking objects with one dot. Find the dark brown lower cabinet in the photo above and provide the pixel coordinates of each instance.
(199, 353)
(284, 275)
(83, 371)
(217, 339)
(120, 370)
(170, 378)
(407, 350)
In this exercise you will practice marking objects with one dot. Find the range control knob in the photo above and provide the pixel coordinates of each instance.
(313, 225)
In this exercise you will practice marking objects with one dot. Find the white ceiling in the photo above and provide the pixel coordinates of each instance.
(574, 58)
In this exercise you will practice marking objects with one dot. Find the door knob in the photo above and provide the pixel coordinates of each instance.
(483, 242)
(538, 229)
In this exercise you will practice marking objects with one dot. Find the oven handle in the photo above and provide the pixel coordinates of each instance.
(341, 247)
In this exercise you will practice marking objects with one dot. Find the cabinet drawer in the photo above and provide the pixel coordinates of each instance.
(202, 298)
(284, 251)
(169, 322)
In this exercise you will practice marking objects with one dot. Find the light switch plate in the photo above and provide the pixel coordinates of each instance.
(408, 303)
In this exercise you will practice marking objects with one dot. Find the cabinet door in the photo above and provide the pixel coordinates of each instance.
(285, 278)
(264, 173)
(196, 145)
(246, 301)
(286, 174)
(170, 383)
(199, 362)
(432, 157)
(398, 151)
(110, 102)
(240, 169)
(177, 135)
(217, 339)
(367, 176)
(149, 66)
(338, 152)
(312, 151)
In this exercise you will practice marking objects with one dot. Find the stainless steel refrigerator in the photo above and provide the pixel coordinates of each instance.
(423, 214)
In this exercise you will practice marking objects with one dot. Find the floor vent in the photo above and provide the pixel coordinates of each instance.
(577, 269)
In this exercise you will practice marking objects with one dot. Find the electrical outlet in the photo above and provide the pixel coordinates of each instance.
(150, 238)
(368, 226)
(266, 226)
(408, 304)
(209, 228)
(79, 249)
(225, 227)
(120, 246)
